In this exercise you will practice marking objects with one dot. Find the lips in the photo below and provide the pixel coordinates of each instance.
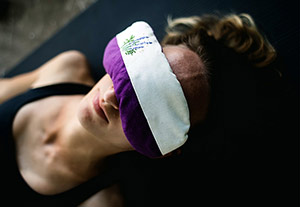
(97, 107)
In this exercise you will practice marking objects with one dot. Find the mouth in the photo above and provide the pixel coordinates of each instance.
(96, 103)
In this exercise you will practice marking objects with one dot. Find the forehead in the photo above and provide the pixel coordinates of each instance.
(192, 74)
(183, 61)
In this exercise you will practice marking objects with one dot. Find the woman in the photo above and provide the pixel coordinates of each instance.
(63, 137)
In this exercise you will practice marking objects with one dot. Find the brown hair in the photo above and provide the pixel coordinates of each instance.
(237, 32)
(209, 33)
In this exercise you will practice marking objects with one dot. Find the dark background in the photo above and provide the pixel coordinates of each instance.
(90, 31)
(229, 164)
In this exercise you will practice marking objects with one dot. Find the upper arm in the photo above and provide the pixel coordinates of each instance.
(10, 87)
(70, 66)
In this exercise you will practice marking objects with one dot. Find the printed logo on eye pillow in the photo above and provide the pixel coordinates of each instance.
(131, 45)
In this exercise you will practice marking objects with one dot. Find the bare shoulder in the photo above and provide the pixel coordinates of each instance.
(69, 66)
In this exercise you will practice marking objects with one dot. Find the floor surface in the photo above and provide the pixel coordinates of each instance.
(25, 25)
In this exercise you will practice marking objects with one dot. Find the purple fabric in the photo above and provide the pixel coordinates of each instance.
(134, 123)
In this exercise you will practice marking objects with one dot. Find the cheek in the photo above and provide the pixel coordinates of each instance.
(118, 138)
(116, 129)
(84, 114)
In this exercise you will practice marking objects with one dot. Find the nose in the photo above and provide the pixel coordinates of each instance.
(110, 97)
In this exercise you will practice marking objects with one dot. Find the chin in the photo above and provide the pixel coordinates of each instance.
(85, 114)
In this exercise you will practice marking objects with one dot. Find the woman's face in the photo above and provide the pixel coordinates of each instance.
(99, 110)
(99, 114)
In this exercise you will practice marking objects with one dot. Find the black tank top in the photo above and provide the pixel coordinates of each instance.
(14, 189)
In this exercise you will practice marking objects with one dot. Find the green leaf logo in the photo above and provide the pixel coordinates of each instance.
(131, 45)
(128, 46)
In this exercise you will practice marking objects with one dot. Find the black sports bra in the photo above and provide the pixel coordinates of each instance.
(13, 187)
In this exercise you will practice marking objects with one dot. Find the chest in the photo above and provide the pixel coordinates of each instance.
(37, 119)
(45, 148)
(41, 137)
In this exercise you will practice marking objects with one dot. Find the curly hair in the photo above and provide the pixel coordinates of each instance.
(231, 39)
(238, 32)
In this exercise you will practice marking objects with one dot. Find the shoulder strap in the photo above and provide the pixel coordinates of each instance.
(9, 109)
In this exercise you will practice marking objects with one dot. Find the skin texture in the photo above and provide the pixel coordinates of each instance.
(191, 73)
(68, 142)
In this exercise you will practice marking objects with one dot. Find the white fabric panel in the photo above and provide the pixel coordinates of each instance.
(156, 86)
